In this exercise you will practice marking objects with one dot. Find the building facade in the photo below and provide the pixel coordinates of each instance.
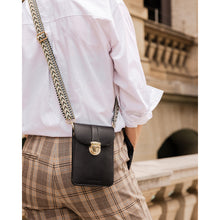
(166, 32)
(166, 157)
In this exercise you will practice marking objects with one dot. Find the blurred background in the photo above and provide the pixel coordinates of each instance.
(165, 160)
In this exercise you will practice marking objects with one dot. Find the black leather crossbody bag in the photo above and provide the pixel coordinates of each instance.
(92, 145)
(92, 155)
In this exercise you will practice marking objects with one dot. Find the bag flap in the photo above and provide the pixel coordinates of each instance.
(86, 133)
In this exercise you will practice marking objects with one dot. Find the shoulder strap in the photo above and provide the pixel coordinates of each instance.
(62, 96)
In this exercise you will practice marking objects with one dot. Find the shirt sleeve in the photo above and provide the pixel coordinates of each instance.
(136, 99)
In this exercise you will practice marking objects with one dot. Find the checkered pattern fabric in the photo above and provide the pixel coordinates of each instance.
(49, 194)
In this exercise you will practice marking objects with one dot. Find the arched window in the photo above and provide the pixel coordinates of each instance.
(179, 143)
(159, 10)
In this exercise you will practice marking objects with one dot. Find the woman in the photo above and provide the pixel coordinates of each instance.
(95, 47)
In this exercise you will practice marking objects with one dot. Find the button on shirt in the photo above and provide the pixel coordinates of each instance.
(96, 50)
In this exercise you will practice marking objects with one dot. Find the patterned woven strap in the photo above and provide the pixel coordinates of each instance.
(62, 96)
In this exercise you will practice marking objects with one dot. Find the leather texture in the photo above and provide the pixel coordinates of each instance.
(130, 148)
(88, 169)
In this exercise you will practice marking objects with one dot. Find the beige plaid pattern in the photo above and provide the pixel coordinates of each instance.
(49, 194)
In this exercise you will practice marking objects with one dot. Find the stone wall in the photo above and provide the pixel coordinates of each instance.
(168, 117)
(184, 16)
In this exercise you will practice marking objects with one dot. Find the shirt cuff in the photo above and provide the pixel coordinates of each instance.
(151, 99)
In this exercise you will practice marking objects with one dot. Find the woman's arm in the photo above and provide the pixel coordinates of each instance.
(133, 134)
(136, 99)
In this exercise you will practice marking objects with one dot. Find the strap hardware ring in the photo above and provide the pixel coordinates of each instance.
(41, 36)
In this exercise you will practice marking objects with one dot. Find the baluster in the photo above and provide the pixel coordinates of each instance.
(167, 53)
(170, 206)
(152, 47)
(194, 190)
(147, 45)
(155, 211)
(186, 200)
(160, 50)
(154, 208)
(182, 58)
(175, 53)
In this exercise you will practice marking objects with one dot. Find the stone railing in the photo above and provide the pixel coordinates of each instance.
(167, 47)
(169, 57)
(170, 186)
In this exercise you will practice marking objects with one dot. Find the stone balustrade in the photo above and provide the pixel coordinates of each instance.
(167, 47)
(170, 186)
(169, 57)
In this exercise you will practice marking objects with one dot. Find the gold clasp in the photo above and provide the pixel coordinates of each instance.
(95, 148)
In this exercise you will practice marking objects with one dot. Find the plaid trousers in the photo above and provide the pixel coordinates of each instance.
(47, 191)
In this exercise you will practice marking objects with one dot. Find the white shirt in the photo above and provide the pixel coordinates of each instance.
(96, 50)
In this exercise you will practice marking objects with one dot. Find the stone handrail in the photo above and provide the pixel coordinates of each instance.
(170, 186)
